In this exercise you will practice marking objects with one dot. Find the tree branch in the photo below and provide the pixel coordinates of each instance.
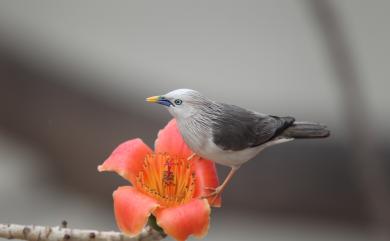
(42, 233)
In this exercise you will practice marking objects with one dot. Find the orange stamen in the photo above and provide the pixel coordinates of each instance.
(168, 179)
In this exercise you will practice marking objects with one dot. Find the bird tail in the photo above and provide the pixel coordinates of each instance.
(301, 130)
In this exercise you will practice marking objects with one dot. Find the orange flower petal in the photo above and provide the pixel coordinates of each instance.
(205, 177)
(169, 140)
(181, 221)
(132, 209)
(127, 159)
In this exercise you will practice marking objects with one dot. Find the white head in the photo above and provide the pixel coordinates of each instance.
(181, 103)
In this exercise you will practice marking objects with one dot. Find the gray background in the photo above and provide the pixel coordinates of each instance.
(74, 75)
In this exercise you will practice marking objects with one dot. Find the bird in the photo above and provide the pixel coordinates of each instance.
(228, 134)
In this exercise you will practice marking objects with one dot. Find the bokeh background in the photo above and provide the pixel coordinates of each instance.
(74, 75)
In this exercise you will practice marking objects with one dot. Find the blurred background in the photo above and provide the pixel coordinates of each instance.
(74, 75)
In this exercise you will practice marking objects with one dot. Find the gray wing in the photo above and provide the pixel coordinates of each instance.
(235, 128)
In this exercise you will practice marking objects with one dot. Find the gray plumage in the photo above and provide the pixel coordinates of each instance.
(228, 134)
(306, 130)
(236, 129)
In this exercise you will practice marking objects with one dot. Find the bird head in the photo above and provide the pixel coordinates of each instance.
(181, 103)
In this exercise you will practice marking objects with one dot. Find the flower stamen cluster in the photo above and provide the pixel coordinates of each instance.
(169, 180)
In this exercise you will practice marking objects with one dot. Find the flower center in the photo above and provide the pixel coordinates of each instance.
(170, 180)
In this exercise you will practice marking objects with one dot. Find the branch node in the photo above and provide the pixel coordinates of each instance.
(64, 224)
(26, 231)
(92, 235)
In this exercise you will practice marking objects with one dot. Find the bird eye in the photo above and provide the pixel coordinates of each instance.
(178, 102)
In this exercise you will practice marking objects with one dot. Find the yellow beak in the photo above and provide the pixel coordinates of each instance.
(153, 99)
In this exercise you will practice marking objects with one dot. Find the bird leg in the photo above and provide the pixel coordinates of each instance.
(191, 156)
(218, 190)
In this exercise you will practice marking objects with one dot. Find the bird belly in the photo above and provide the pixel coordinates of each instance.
(209, 150)
(202, 144)
(206, 148)
(228, 157)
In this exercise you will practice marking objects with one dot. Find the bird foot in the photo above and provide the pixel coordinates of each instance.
(215, 192)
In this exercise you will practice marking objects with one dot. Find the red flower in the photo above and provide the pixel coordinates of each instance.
(165, 184)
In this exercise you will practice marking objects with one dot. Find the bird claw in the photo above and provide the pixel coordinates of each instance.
(215, 192)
